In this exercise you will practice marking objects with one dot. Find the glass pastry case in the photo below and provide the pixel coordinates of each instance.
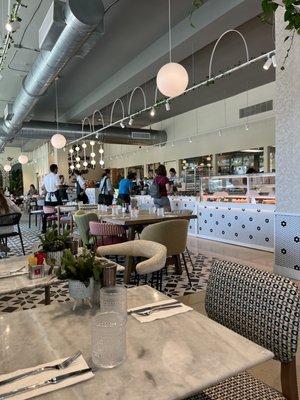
(254, 188)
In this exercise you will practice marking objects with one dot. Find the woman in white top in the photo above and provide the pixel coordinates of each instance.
(7, 207)
(106, 190)
(80, 187)
(51, 185)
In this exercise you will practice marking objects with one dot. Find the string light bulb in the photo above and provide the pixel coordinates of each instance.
(152, 112)
(84, 145)
(130, 121)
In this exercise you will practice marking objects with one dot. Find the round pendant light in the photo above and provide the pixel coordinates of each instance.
(101, 162)
(7, 167)
(58, 141)
(23, 159)
(172, 79)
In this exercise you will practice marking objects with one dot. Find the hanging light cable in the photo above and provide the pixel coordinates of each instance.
(58, 140)
(172, 79)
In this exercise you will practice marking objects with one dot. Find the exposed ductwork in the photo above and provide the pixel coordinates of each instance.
(114, 135)
(68, 26)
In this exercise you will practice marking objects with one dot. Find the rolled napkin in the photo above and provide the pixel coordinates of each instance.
(159, 314)
(77, 365)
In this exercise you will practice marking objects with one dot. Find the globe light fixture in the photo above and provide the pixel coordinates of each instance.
(12, 26)
(23, 159)
(101, 151)
(77, 148)
(101, 162)
(93, 162)
(78, 166)
(93, 154)
(85, 164)
(172, 79)
(58, 141)
(71, 151)
(92, 143)
(84, 145)
(72, 167)
(152, 112)
(7, 167)
(77, 159)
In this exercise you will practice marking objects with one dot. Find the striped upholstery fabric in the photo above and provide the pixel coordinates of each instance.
(262, 307)
(48, 210)
(103, 229)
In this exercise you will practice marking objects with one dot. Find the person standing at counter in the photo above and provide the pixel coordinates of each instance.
(160, 189)
(174, 179)
(80, 187)
(125, 187)
(106, 190)
(51, 186)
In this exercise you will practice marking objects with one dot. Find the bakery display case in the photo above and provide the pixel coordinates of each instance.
(254, 188)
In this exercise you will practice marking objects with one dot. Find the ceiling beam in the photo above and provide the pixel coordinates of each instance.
(211, 20)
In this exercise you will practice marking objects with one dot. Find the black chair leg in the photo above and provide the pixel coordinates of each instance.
(5, 242)
(29, 221)
(187, 271)
(35, 219)
(190, 258)
(21, 239)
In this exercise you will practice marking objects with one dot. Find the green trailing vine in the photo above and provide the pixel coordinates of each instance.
(291, 17)
(8, 37)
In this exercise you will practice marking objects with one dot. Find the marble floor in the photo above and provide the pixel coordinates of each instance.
(268, 372)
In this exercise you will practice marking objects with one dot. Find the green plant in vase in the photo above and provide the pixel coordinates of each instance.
(52, 241)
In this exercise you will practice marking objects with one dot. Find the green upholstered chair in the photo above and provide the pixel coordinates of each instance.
(82, 220)
(172, 234)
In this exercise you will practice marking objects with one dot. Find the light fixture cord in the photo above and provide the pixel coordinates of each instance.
(56, 104)
(170, 33)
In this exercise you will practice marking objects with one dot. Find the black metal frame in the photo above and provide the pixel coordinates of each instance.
(12, 219)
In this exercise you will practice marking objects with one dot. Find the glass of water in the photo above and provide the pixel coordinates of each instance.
(161, 212)
(114, 298)
(108, 339)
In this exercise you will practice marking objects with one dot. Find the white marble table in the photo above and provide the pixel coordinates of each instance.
(13, 284)
(166, 359)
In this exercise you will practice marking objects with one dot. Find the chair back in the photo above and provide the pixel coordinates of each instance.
(172, 234)
(49, 210)
(154, 253)
(82, 222)
(40, 202)
(104, 229)
(260, 306)
(10, 219)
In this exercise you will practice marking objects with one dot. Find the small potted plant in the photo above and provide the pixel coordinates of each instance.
(54, 244)
(83, 274)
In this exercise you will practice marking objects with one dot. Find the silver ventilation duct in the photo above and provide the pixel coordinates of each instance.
(70, 24)
(114, 135)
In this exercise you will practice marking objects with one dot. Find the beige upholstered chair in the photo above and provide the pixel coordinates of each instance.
(154, 252)
(173, 235)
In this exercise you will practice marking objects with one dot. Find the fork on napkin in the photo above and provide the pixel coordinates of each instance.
(77, 365)
(159, 313)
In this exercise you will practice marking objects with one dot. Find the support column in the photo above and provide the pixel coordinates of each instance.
(266, 159)
(287, 217)
(214, 165)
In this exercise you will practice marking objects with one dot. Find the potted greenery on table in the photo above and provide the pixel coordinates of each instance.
(53, 244)
(83, 274)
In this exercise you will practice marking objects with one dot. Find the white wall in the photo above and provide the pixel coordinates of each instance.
(202, 125)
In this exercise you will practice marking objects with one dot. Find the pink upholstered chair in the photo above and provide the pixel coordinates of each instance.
(105, 234)
(50, 214)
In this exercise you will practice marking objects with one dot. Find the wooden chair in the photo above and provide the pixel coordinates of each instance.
(263, 308)
(11, 220)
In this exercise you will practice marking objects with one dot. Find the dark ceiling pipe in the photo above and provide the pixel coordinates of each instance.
(113, 135)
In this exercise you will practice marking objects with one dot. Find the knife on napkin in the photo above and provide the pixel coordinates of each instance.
(52, 381)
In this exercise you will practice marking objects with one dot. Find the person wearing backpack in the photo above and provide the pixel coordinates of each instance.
(160, 188)
(106, 190)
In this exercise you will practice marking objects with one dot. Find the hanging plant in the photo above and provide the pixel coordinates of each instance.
(195, 6)
(291, 17)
